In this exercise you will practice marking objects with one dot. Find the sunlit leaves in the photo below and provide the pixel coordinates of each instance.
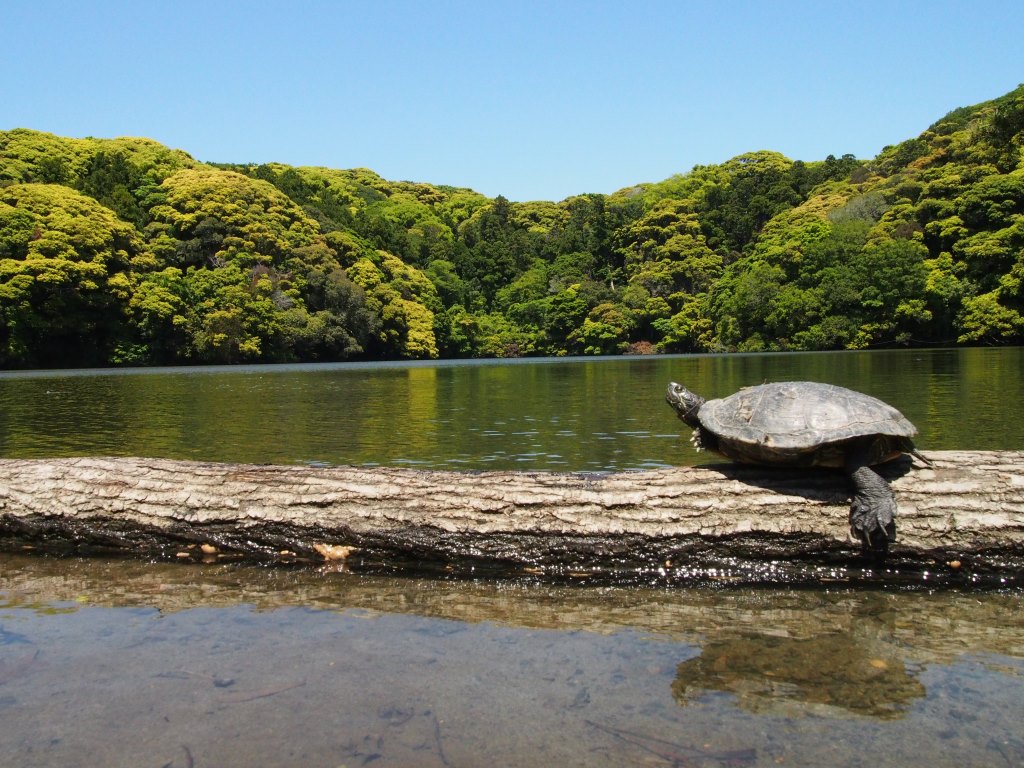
(59, 253)
(220, 216)
(985, 319)
(405, 301)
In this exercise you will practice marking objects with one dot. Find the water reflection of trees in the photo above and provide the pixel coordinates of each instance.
(811, 675)
(577, 415)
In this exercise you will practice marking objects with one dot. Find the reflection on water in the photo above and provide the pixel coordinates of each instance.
(588, 414)
(773, 673)
(126, 664)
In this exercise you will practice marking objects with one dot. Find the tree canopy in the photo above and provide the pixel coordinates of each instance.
(124, 251)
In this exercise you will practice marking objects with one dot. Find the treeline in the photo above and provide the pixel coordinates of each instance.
(123, 251)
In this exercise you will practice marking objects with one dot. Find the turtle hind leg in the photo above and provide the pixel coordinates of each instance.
(873, 509)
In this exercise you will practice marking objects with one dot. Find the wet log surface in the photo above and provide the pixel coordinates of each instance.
(960, 521)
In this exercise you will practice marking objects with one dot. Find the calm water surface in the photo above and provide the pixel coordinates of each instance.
(607, 414)
(119, 663)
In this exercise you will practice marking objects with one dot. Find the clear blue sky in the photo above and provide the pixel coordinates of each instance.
(532, 100)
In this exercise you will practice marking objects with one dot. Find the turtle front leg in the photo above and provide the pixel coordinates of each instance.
(874, 505)
(704, 441)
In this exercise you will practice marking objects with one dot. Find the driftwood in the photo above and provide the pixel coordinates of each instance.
(960, 520)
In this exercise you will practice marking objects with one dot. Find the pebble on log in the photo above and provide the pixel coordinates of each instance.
(959, 521)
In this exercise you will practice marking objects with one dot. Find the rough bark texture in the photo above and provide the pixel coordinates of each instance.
(961, 518)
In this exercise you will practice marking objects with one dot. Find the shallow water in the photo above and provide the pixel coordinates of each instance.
(129, 664)
(122, 663)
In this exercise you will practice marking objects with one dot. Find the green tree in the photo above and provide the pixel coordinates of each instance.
(985, 319)
(605, 331)
(496, 250)
(63, 287)
(405, 301)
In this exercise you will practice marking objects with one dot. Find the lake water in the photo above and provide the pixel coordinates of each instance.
(581, 414)
(123, 663)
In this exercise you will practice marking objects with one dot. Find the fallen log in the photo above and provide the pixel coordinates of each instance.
(961, 519)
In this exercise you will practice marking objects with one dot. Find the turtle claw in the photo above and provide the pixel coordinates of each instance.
(698, 444)
(871, 522)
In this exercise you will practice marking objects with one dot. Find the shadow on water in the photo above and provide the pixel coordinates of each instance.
(126, 663)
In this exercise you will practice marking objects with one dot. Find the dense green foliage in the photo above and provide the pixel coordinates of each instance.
(124, 251)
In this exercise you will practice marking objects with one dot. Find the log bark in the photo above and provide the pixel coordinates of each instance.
(959, 520)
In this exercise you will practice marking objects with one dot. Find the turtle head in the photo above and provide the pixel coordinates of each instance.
(684, 402)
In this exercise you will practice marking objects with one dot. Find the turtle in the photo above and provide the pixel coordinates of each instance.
(809, 424)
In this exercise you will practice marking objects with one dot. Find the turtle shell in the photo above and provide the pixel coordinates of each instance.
(801, 422)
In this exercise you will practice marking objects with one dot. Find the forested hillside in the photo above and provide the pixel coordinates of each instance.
(123, 251)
